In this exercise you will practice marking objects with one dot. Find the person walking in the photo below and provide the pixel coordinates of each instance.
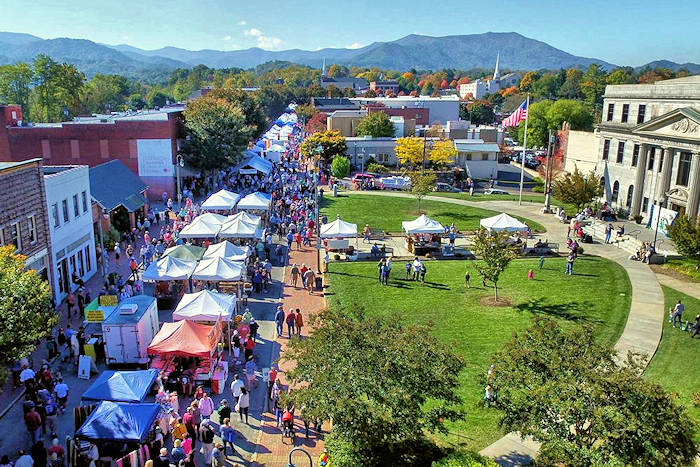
(678, 313)
(299, 322)
(570, 264)
(236, 386)
(206, 436)
(380, 270)
(291, 321)
(541, 262)
(243, 404)
(279, 320)
(32, 421)
(387, 270)
(295, 274)
(228, 435)
(206, 406)
(467, 277)
(309, 280)
(608, 232)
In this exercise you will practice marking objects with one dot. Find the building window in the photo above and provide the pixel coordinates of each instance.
(635, 155)
(31, 223)
(625, 112)
(85, 203)
(620, 151)
(640, 113)
(66, 216)
(88, 261)
(606, 149)
(684, 169)
(645, 204)
(16, 236)
(81, 266)
(468, 157)
(630, 194)
(662, 156)
(71, 261)
(76, 206)
(54, 215)
(484, 156)
(611, 111)
(615, 191)
(652, 156)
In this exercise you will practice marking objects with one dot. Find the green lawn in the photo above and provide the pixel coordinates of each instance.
(685, 266)
(599, 293)
(387, 212)
(674, 365)
(534, 198)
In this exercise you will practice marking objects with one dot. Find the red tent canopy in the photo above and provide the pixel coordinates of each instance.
(185, 339)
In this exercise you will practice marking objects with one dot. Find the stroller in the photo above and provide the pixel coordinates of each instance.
(288, 426)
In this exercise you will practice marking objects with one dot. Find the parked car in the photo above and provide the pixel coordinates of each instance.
(361, 179)
(495, 191)
(395, 183)
(446, 187)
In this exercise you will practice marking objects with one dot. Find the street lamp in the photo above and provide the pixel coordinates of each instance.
(311, 462)
(659, 202)
(180, 163)
(547, 181)
(103, 214)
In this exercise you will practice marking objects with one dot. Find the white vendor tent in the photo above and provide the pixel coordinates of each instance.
(221, 200)
(255, 202)
(422, 225)
(338, 229)
(205, 306)
(245, 217)
(238, 228)
(228, 250)
(503, 222)
(169, 268)
(218, 269)
(204, 226)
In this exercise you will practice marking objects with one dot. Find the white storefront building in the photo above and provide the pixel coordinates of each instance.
(70, 223)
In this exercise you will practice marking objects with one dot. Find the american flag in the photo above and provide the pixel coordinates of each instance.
(518, 116)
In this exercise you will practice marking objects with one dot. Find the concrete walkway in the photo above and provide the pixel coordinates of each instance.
(688, 288)
(642, 331)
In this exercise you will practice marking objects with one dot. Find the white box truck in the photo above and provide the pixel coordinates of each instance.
(129, 329)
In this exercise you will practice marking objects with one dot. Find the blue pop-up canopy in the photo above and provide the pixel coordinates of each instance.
(115, 421)
(121, 386)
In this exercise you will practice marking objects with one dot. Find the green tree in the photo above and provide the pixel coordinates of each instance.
(480, 112)
(685, 233)
(562, 387)
(623, 75)
(422, 184)
(410, 150)
(157, 98)
(331, 144)
(106, 93)
(251, 106)
(337, 71)
(377, 398)
(593, 85)
(340, 167)
(305, 112)
(15, 85)
(496, 253)
(577, 188)
(136, 102)
(376, 125)
(576, 113)
(537, 125)
(571, 87)
(25, 309)
(546, 86)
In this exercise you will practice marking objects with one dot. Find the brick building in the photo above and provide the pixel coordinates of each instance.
(145, 141)
(23, 217)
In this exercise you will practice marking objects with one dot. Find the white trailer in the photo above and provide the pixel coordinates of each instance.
(129, 329)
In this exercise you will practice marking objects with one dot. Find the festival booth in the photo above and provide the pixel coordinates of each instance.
(171, 275)
(218, 269)
(121, 386)
(422, 235)
(238, 228)
(274, 152)
(207, 307)
(255, 202)
(503, 222)
(222, 200)
(203, 226)
(128, 329)
(191, 345)
(226, 249)
(338, 232)
(254, 164)
(186, 252)
(245, 217)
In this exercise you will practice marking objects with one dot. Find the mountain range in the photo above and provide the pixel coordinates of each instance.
(464, 52)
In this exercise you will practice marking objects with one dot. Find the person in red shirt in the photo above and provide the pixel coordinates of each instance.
(271, 378)
(33, 422)
(191, 425)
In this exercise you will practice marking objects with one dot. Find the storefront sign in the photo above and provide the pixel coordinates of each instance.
(94, 316)
(108, 300)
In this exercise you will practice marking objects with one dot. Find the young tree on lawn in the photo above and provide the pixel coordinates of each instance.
(376, 125)
(25, 310)
(685, 233)
(422, 183)
(331, 142)
(562, 387)
(375, 397)
(577, 188)
(495, 252)
(340, 167)
(442, 153)
(409, 150)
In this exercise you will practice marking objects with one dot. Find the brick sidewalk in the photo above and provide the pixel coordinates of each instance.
(276, 452)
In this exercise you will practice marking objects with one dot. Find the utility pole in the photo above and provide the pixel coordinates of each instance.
(547, 182)
(102, 246)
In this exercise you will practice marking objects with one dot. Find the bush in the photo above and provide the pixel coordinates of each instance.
(538, 189)
(465, 459)
(638, 219)
(377, 168)
(340, 167)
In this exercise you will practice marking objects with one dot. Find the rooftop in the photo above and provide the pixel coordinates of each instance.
(11, 165)
(112, 184)
(109, 119)
(56, 169)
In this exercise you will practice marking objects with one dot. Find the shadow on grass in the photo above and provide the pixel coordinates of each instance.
(571, 311)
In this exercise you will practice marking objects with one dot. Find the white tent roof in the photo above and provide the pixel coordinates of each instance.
(245, 217)
(200, 228)
(238, 228)
(227, 250)
(218, 269)
(169, 269)
(276, 148)
(338, 229)
(503, 222)
(205, 306)
(222, 199)
(255, 201)
(422, 224)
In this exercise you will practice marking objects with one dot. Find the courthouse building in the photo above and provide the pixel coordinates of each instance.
(649, 150)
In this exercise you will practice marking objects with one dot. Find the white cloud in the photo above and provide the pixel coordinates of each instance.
(263, 41)
(227, 38)
(252, 32)
(354, 45)
(242, 23)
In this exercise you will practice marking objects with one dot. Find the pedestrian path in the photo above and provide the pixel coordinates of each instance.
(274, 449)
(642, 331)
(688, 288)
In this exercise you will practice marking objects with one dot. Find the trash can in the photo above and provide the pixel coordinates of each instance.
(319, 283)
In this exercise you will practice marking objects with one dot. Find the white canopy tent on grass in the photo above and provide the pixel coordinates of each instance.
(255, 202)
(239, 228)
(218, 269)
(228, 250)
(204, 226)
(169, 268)
(503, 222)
(221, 200)
(339, 229)
(423, 225)
(205, 306)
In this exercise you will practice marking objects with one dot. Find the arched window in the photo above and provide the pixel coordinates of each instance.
(630, 194)
(615, 191)
(602, 186)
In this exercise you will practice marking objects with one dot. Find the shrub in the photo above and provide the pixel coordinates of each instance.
(465, 459)
(377, 168)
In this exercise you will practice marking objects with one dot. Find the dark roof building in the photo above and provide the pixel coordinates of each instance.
(326, 104)
(355, 84)
(112, 185)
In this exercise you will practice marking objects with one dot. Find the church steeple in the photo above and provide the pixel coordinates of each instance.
(496, 73)
(323, 71)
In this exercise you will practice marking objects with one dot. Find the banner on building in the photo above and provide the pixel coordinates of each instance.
(661, 219)
(155, 158)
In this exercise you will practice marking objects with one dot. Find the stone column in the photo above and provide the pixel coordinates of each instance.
(638, 193)
(691, 209)
(665, 179)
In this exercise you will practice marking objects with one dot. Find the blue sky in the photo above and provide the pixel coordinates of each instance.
(619, 31)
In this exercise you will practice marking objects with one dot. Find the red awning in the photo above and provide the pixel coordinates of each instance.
(185, 339)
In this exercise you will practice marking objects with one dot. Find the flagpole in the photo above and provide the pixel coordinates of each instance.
(522, 162)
